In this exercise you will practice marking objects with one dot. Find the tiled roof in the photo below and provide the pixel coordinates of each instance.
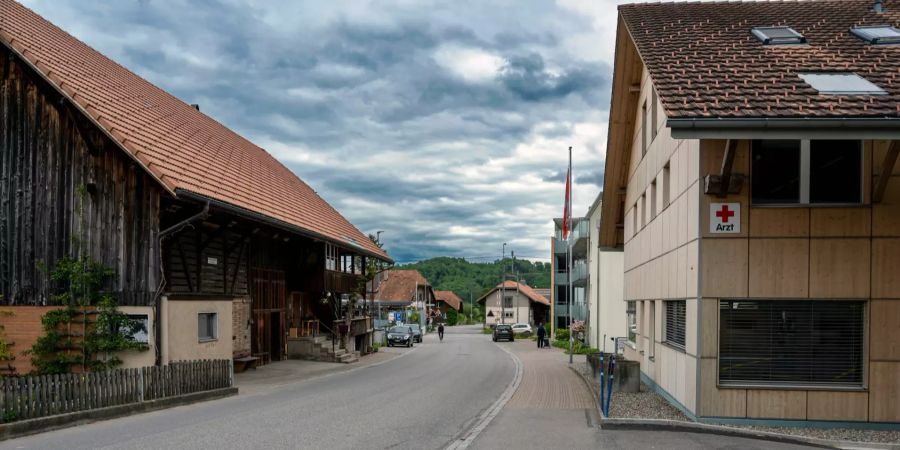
(399, 285)
(450, 298)
(181, 147)
(705, 63)
(524, 289)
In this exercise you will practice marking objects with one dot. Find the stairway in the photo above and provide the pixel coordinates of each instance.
(318, 348)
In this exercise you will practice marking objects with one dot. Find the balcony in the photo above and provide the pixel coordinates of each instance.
(579, 239)
(579, 275)
(341, 282)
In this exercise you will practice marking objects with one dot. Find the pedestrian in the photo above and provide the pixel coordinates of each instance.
(541, 332)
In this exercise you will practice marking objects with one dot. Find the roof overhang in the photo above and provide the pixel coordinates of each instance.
(252, 215)
(778, 128)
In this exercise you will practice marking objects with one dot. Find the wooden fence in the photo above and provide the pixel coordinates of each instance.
(30, 397)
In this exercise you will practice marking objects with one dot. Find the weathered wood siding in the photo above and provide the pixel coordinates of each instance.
(208, 259)
(48, 154)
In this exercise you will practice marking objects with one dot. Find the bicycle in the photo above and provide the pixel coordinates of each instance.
(441, 334)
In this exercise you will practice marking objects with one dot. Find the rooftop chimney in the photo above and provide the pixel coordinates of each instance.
(195, 106)
(878, 7)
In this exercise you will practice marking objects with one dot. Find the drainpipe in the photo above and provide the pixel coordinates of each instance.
(157, 323)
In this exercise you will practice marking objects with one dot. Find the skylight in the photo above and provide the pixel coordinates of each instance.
(877, 34)
(778, 35)
(841, 84)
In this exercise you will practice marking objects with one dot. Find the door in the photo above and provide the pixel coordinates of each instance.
(268, 309)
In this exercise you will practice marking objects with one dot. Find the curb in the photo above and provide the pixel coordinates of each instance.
(43, 424)
(695, 427)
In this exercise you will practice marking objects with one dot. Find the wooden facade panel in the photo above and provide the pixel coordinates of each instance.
(209, 260)
(779, 267)
(849, 406)
(839, 268)
(886, 215)
(776, 404)
(885, 265)
(881, 148)
(52, 161)
(779, 222)
(724, 267)
(840, 222)
(884, 330)
(884, 383)
(719, 402)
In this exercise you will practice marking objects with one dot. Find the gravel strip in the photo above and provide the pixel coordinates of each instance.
(650, 405)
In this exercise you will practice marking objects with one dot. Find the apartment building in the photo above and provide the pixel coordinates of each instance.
(560, 307)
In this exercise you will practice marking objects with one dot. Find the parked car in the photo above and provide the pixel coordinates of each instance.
(417, 332)
(402, 335)
(519, 328)
(503, 331)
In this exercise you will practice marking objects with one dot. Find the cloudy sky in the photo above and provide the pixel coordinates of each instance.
(443, 123)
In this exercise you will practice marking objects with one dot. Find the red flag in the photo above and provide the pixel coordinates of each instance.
(567, 208)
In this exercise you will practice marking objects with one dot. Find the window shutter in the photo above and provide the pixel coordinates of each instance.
(675, 323)
(806, 343)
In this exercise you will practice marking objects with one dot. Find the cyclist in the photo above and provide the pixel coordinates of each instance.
(441, 332)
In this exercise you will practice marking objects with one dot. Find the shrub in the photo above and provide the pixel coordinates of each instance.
(562, 334)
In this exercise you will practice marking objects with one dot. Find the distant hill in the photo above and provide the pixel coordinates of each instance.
(464, 277)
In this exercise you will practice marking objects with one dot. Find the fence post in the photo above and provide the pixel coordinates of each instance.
(141, 385)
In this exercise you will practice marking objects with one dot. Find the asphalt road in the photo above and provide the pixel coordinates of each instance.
(422, 400)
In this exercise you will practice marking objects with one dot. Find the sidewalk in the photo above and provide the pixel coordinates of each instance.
(551, 406)
(294, 371)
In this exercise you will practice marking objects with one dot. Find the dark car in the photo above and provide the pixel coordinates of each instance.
(401, 335)
(503, 331)
(417, 332)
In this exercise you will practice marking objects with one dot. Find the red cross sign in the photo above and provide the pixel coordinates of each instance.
(724, 217)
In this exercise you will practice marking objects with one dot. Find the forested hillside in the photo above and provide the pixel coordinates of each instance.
(464, 278)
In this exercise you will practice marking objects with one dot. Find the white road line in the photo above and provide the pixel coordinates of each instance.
(485, 419)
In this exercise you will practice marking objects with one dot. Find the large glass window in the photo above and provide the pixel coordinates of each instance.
(776, 172)
(675, 323)
(791, 342)
(806, 172)
(835, 172)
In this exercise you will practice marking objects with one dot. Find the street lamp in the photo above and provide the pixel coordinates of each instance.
(378, 236)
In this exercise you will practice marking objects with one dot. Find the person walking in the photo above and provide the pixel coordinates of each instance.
(541, 332)
(441, 331)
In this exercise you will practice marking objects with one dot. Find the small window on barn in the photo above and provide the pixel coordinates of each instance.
(877, 34)
(207, 327)
(778, 35)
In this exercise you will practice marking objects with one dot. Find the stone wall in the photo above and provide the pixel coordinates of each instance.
(241, 327)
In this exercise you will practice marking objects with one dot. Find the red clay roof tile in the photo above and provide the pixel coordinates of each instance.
(450, 298)
(183, 148)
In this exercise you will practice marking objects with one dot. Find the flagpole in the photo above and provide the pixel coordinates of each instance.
(569, 245)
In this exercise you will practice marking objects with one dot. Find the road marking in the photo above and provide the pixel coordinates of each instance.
(488, 415)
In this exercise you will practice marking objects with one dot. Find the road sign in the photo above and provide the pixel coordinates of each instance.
(724, 217)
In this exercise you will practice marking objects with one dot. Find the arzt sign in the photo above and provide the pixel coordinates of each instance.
(724, 217)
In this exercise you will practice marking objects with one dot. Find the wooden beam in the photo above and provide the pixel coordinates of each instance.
(727, 164)
(890, 159)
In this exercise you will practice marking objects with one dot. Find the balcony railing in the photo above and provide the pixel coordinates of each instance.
(341, 282)
(579, 275)
(581, 230)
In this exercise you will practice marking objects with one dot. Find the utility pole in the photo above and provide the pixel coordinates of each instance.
(503, 286)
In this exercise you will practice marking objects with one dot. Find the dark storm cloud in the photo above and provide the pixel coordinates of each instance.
(446, 156)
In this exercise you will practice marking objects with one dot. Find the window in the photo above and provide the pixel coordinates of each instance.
(508, 314)
(644, 127)
(841, 84)
(631, 321)
(675, 323)
(651, 328)
(654, 126)
(206, 326)
(778, 35)
(634, 216)
(667, 188)
(791, 342)
(653, 211)
(508, 302)
(138, 328)
(806, 172)
(561, 323)
(643, 210)
(877, 34)
(331, 257)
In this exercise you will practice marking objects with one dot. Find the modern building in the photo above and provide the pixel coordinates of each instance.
(520, 304)
(751, 180)
(606, 324)
(561, 310)
(215, 245)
